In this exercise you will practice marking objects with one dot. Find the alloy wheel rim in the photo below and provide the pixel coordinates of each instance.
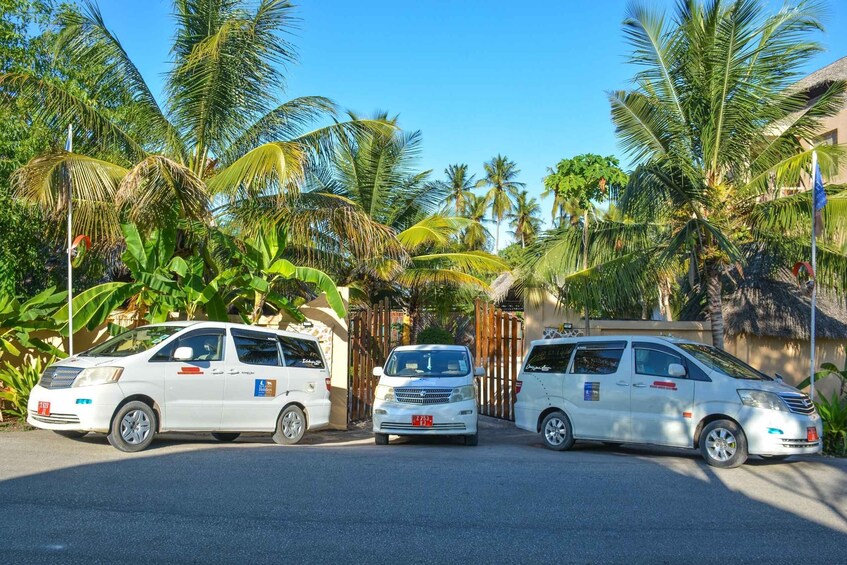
(555, 431)
(292, 425)
(135, 427)
(721, 444)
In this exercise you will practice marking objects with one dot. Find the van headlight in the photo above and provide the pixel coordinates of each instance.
(463, 393)
(98, 376)
(384, 393)
(762, 399)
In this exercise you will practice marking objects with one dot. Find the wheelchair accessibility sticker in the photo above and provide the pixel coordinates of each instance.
(265, 387)
(592, 392)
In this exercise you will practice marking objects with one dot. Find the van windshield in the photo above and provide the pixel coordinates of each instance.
(436, 363)
(134, 341)
(722, 361)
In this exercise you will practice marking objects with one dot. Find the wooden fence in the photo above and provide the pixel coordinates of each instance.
(499, 349)
(370, 343)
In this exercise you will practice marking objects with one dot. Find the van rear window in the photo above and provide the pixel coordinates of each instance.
(596, 361)
(549, 358)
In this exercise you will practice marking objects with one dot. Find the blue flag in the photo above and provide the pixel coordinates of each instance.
(819, 199)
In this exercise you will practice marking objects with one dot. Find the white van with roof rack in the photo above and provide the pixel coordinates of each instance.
(663, 391)
(189, 377)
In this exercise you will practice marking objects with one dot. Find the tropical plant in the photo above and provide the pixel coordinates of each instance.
(524, 219)
(829, 370)
(459, 186)
(579, 183)
(500, 175)
(833, 413)
(716, 130)
(476, 235)
(435, 335)
(17, 381)
(21, 321)
(222, 131)
(256, 281)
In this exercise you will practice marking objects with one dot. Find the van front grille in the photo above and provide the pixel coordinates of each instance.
(798, 403)
(423, 396)
(59, 377)
(54, 418)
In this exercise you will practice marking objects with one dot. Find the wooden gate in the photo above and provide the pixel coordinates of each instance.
(370, 342)
(499, 349)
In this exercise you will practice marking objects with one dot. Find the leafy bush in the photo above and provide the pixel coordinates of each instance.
(435, 335)
(833, 412)
(17, 382)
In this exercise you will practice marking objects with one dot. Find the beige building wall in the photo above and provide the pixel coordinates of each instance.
(789, 358)
(834, 129)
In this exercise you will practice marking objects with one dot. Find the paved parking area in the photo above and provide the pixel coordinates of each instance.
(338, 497)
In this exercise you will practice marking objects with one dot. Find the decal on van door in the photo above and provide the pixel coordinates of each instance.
(265, 387)
(592, 392)
(664, 385)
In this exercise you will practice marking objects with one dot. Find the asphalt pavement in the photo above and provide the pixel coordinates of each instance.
(339, 498)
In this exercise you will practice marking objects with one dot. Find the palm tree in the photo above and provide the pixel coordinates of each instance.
(459, 185)
(500, 175)
(716, 130)
(524, 219)
(476, 236)
(222, 133)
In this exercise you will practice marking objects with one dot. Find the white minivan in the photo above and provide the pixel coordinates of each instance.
(427, 390)
(189, 377)
(661, 391)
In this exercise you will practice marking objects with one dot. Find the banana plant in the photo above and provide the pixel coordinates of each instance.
(20, 320)
(261, 272)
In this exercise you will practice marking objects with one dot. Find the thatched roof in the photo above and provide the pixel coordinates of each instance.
(828, 74)
(769, 302)
(501, 286)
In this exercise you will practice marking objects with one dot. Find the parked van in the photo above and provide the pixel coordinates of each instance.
(661, 391)
(188, 377)
(427, 390)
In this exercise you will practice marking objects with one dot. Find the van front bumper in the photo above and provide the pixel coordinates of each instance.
(453, 418)
(781, 433)
(88, 408)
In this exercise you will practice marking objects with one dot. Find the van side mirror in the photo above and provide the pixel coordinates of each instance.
(184, 354)
(479, 372)
(676, 370)
(377, 372)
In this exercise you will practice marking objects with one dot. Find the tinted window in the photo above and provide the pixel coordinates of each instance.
(301, 353)
(207, 346)
(654, 363)
(256, 348)
(549, 358)
(428, 363)
(596, 361)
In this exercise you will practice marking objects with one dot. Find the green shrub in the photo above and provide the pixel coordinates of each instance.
(833, 412)
(17, 382)
(435, 335)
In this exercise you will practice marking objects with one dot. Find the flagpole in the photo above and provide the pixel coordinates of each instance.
(69, 147)
(814, 275)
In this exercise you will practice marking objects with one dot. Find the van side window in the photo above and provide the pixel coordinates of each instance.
(654, 363)
(208, 345)
(596, 360)
(256, 348)
(549, 358)
(302, 353)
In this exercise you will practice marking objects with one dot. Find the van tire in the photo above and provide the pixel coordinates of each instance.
(472, 440)
(71, 434)
(133, 427)
(381, 439)
(225, 436)
(557, 432)
(290, 426)
(723, 444)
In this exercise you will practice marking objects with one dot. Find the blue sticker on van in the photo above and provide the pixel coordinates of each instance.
(592, 392)
(265, 387)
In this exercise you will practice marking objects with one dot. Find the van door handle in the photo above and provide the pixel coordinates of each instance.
(232, 372)
(640, 385)
(623, 383)
(217, 371)
(246, 372)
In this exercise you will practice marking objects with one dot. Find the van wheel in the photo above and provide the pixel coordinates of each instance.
(291, 426)
(133, 427)
(556, 431)
(472, 440)
(381, 439)
(723, 444)
(71, 434)
(222, 436)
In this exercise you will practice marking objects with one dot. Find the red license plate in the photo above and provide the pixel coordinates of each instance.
(422, 421)
(43, 408)
(812, 434)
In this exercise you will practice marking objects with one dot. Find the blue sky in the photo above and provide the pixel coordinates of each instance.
(478, 78)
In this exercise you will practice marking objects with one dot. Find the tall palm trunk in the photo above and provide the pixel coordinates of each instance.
(715, 306)
(585, 266)
(497, 238)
